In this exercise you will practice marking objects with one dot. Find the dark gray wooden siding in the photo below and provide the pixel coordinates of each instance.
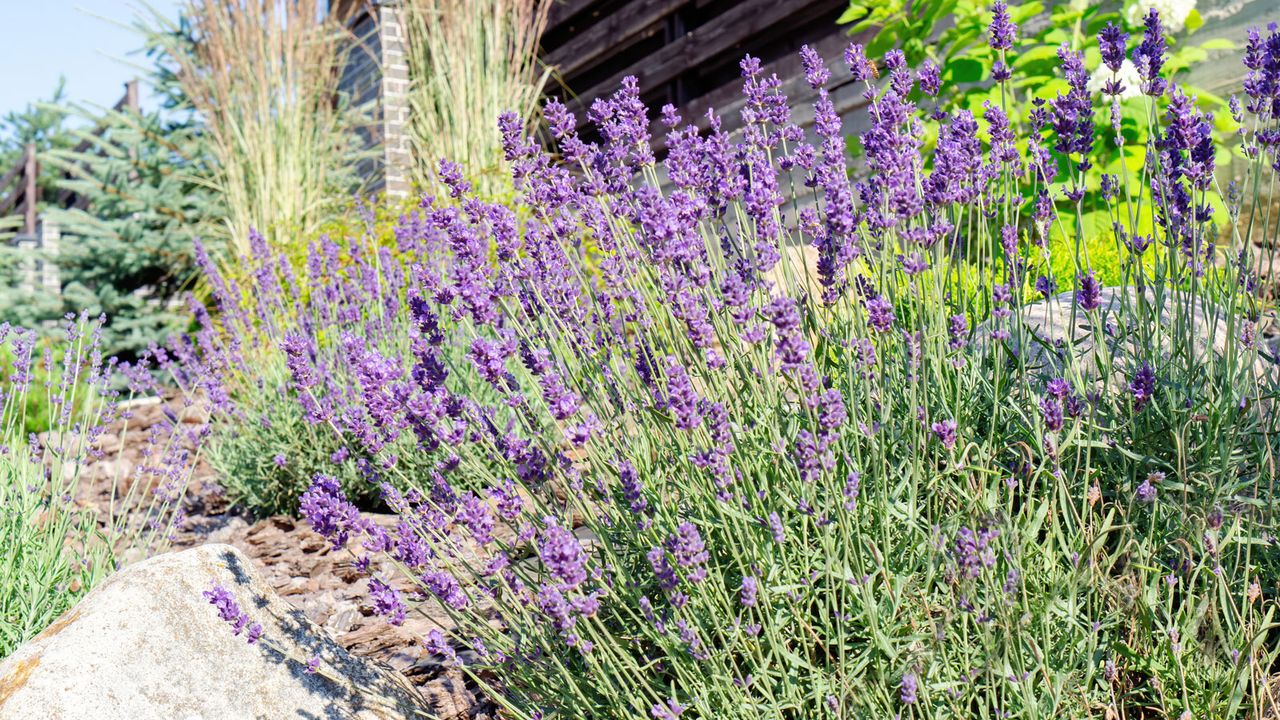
(684, 52)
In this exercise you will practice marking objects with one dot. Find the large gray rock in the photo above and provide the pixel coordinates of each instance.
(147, 645)
(1051, 333)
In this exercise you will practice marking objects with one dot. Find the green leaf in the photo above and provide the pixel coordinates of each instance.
(964, 70)
(1022, 13)
(1218, 44)
(1194, 21)
(882, 43)
(940, 10)
(851, 14)
(1039, 53)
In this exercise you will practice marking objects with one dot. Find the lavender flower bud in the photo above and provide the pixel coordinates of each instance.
(908, 688)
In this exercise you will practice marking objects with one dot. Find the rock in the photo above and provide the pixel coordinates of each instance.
(140, 402)
(1050, 322)
(147, 645)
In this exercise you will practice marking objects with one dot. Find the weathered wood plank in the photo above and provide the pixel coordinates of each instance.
(727, 99)
(744, 21)
(616, 29)
(563, 11)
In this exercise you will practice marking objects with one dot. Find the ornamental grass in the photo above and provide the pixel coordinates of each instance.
(263, 77)
(467, 62)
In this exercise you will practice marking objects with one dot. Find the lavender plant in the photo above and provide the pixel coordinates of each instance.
(54, 543)
(960, 70)
(683, 468)
(324, 328)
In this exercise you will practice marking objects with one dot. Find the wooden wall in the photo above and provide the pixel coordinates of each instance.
(684, 52)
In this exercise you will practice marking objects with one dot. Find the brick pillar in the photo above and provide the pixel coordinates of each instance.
(395, 102)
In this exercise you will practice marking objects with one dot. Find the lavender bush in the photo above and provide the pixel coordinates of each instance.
(54, 544)
(319, 326)
(739, 434)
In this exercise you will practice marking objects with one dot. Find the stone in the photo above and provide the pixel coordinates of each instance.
(1049, 321)
(146, 645)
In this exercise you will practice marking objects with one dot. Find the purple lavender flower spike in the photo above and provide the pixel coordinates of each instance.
(1146, 492)
(1046, 286)
(1051, 411)
(671, 711)
(815, 70)
(1002, 29)
(1089, 292)
(945, 431)
(880, 313)
(1143, 386)
(1112, 42)
(907, 690)
(1072, 114)
(930, 77)
(750, 591)
(229, 611)
(330, 513)
(690, 552)
(776, 528)
(662, 569)
(973, 551)
(860, 67)
(1149, 56)
(563, 555)
(386, 601)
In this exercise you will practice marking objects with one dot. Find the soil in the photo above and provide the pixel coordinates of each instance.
(298, 563)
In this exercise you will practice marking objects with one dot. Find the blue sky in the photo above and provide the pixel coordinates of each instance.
(47, 38)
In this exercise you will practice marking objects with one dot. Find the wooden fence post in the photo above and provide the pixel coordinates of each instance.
(31, 192)
(131, 96)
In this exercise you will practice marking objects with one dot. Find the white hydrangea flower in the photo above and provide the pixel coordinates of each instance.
(1128, 77)
(1173, 13)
